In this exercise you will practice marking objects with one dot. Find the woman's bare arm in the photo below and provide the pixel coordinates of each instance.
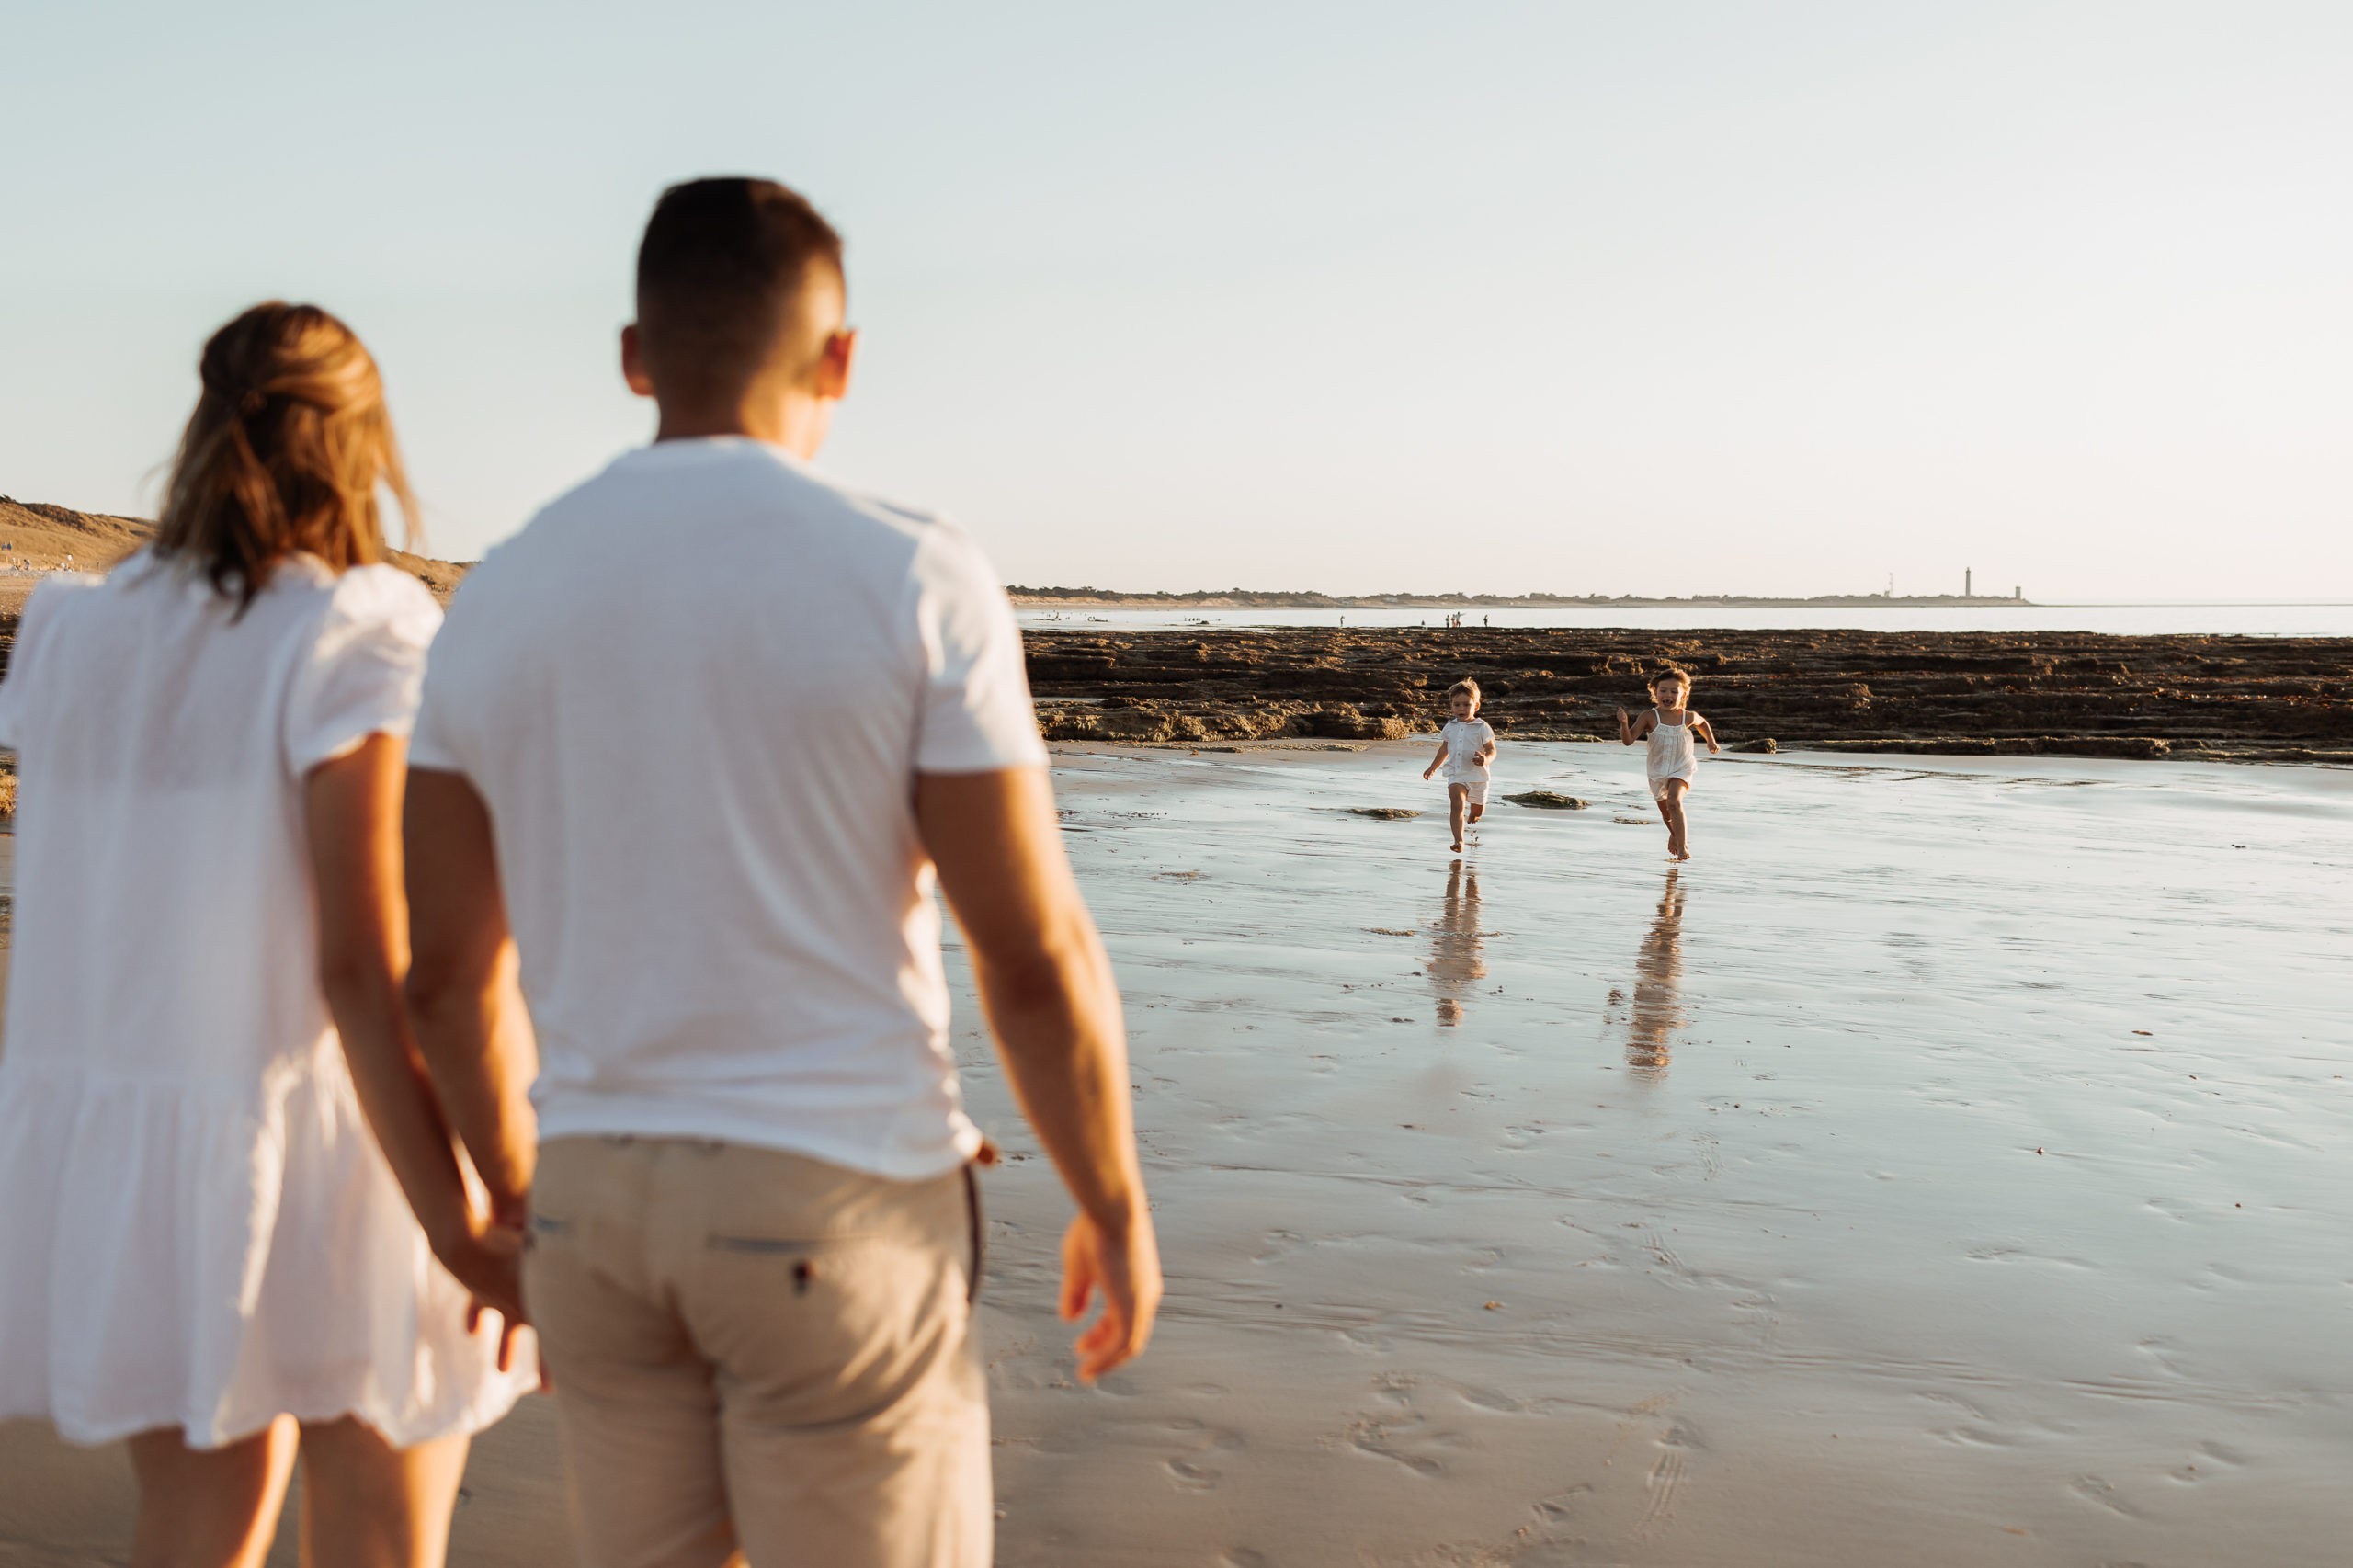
(353, 807)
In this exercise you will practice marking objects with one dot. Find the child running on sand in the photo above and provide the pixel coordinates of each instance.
(1674, 761)
(1464, 747)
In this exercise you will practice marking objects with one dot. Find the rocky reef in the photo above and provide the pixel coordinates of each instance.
(2264, 698)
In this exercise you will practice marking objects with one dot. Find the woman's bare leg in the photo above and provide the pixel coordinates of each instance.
(1455, 797)
(209, 1507)
(369, 1505)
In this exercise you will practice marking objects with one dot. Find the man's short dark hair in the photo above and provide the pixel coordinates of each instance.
(725, 269)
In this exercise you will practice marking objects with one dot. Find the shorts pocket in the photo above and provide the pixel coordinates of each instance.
(809, 1333)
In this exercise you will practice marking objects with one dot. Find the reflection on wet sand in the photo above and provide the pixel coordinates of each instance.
(1457, 957)
(1657, 1012)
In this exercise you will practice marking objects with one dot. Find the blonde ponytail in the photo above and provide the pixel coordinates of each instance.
(283, 455)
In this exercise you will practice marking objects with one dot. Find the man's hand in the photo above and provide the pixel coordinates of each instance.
(1125, 1271)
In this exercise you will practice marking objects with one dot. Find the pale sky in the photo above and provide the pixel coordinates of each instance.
(1658, 298)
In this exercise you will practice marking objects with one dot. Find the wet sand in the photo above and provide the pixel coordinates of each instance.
(1816, 1202)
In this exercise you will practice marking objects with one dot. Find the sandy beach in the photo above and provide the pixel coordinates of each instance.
(1939, 1169)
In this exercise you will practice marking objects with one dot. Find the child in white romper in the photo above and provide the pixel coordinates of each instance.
(1464, 747)
(1674, 760)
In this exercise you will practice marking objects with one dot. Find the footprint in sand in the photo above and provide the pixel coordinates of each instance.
(1192, 1476)
(1275, 1244)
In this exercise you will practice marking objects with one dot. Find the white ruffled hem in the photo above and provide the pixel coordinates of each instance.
(208, 1254)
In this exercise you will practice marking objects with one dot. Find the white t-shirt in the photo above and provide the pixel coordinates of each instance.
(695, 694)
(1463, 738)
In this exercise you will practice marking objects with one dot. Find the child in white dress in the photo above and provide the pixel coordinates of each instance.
(203, 1249)
(1464, 746)
(1674, 760)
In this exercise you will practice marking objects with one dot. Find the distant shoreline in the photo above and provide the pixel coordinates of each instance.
(1237, 598)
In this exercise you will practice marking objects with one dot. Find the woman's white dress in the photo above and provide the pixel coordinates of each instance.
(197, 1229)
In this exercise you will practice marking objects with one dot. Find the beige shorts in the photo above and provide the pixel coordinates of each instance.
(759, 1352)
(1473, 789)
(1659, 784)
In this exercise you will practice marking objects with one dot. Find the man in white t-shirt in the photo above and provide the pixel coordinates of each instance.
(694, 746)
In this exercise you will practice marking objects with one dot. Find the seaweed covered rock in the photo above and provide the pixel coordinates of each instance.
(1548, 801)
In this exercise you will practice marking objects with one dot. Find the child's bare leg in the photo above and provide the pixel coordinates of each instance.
(1456, 796)
(1678, 831)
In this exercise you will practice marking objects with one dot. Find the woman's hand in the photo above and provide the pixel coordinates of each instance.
(487, 1258)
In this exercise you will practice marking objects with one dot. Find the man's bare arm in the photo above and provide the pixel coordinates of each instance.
(462, 998)
(1047, 985)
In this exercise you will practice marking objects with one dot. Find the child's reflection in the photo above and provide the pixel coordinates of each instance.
(1658, 969)
(1457, 958)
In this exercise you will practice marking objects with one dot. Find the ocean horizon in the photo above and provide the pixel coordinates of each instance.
(2115, 619)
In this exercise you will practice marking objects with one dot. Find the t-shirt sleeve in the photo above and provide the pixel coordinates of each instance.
(975, 715)
(430, 745)
(364, 668)
(436, 743)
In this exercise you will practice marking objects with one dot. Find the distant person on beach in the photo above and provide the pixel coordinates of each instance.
(1673, 762)
(205, 1250)
(1465, 745)
(701, 738)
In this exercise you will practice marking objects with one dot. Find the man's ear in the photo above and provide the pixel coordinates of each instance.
(832, 379)
(634, 369)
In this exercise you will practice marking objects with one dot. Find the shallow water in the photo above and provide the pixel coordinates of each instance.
(1822, 1200)
(2115, 620)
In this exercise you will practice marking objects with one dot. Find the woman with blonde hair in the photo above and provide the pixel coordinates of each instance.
(206, 1251)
